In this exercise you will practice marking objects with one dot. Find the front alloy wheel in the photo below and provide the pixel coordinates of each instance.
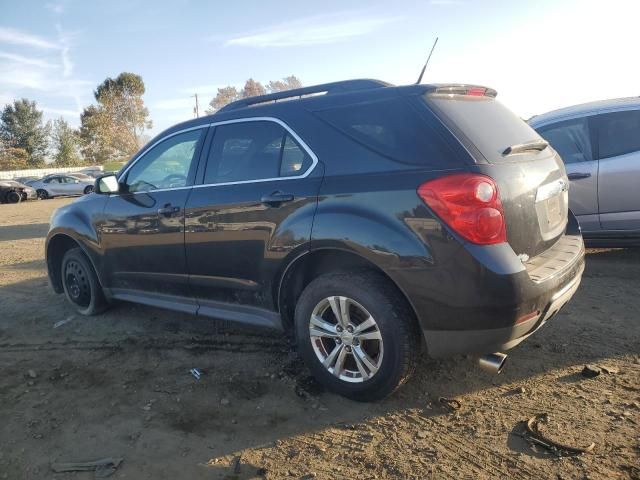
(346, 339)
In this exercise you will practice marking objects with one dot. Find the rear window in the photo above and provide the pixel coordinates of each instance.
(570, 139)
(393, 128)
(487, 124)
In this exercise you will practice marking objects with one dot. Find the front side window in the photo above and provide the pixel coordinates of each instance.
(167, 165)
(618, 133)
(570, 139)
(254, 150)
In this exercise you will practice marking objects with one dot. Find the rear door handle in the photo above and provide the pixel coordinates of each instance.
(168, 210)
(578, 175)
(276, 198)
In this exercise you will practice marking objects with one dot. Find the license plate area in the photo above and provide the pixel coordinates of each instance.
(552, 208)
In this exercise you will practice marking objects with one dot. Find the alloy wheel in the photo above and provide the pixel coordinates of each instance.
(346, 339)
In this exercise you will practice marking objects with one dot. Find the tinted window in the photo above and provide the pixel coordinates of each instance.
(253, 151)
(570, 139)
(393, 128)
(167, 165)
(618, 133)
(488, 124)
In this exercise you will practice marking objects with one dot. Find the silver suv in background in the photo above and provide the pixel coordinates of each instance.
(599, 143)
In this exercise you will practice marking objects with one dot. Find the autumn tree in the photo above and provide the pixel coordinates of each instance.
(12, 158)
(287, 83)
(114, 128)
(21, 127)
(66, 145)
(251, 88)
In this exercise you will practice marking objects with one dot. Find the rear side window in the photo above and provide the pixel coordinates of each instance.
(488, 125)
(570, 139)
(393, 128)
(248, 151)
(618, 133)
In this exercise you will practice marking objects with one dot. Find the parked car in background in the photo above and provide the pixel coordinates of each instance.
(82, 176)
(61, 185)
(599, 143)
(12, 191)
(26, 180)
(362, 218)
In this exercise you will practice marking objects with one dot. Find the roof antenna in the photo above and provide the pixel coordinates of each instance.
(427, 62)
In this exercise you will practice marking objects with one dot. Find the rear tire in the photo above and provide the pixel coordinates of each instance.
(88, 189)
(80, 283)
(42, 194)
(379, 355)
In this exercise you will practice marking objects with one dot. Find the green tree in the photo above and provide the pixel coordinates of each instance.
(21, 126)
(66, 144)
(114, 128)
(13, 158)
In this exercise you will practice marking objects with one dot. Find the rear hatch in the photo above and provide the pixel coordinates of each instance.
(531, 178)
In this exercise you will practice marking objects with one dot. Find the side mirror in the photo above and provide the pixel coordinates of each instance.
(106, 184)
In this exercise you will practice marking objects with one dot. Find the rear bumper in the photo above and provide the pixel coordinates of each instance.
(444, 343)
(485, 299)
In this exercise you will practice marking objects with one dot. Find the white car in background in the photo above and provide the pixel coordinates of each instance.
(61, 185)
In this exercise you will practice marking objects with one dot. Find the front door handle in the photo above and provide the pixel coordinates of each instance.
(578, 175)
(168, 210)
(277, 198)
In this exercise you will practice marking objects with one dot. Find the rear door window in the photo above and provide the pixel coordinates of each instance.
(570, 139)
(618, 133)
(485, 122)
(254, 150)
(393, 128)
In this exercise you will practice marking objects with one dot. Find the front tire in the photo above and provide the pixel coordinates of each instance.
(13, 197)
(80, 283)
(42, 194)
(88, 189)
(357, 334)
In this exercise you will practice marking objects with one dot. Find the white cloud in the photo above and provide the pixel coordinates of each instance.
(17, 37)
(317, 30)
(65, 57)
(61, 112)
(36, 62)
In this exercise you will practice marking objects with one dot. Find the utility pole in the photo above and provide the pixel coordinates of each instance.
(196, 110)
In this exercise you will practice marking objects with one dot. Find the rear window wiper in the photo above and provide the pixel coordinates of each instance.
(537, 145)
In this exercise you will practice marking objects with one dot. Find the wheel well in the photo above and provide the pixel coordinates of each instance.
(57, 247)
(310, 266)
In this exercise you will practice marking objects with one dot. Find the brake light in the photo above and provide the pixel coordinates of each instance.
(476, 91)
(468, 203)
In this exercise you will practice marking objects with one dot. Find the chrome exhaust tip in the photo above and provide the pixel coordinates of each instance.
(492, 362)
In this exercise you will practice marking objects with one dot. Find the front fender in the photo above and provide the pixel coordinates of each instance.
(76, 222)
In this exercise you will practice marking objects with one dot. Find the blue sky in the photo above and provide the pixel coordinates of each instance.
(538, 55)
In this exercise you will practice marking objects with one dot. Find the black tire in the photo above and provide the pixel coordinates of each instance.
(13, 197)
(395, 323)
(42, 194)
(88, 189)
(80, 283)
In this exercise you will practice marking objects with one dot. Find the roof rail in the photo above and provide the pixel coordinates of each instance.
(326, 88)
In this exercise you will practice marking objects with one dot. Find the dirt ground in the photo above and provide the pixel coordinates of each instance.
(118, 385)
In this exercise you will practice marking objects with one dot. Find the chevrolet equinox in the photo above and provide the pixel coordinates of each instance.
(368, 221)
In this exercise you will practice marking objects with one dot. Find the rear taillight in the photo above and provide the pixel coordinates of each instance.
(469, 203)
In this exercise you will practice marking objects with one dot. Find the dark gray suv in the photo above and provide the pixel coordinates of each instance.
(365, 220)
